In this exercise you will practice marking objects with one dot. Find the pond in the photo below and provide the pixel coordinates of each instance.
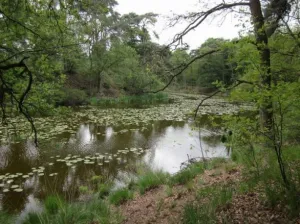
(106, 143)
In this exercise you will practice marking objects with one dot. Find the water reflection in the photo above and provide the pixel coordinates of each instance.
(163, 144)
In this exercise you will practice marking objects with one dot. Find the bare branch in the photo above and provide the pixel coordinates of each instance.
(183, 67)
(238, 82)
(201, 16)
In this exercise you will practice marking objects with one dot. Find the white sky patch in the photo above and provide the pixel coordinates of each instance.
(166, 8)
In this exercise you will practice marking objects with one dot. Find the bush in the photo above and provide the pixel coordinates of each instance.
(73, 97)
(120, 196)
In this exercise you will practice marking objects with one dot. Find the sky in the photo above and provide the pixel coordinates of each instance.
(167, 8)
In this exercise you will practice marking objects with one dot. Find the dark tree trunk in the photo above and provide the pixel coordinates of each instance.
(266, 111)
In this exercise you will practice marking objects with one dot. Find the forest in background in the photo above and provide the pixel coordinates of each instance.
(78, 52)
(69, 53)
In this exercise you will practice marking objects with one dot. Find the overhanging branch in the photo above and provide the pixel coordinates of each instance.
(202, 16)
(237, 83)
(183, 67)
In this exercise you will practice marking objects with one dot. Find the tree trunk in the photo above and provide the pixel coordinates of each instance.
(99, 84)
(266, 107)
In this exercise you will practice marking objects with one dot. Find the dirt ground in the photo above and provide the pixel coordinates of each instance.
(159, 206)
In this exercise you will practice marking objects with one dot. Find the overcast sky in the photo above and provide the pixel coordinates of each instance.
(167, 8)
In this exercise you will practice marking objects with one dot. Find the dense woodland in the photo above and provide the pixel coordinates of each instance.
(55, 54)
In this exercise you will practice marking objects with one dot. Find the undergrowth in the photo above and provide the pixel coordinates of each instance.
(145, 99)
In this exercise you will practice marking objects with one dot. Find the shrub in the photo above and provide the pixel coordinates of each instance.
(73, 97)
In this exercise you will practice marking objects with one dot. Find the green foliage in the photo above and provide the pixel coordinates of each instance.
(84, 189)
(104, 189)
(141, 100)
(207, 70)
(73, 97)
(151, 179)
(89, 212)
(6, 218)
(187, 174)
(206, 212)
(120, 196)
(33, 218)
(53, 204)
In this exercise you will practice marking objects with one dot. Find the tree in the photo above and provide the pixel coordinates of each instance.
(32, 33)
(266, 18)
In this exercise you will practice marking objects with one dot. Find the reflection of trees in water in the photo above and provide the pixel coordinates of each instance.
(68, 180)
(13, 202)
(15, 160)
(211, 140)
(209, 122)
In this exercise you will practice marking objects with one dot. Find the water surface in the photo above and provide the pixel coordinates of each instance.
(70, 159)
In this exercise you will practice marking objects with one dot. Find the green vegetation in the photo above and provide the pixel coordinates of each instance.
(187, 174)
(104, 189)
(151, 179)
(53, 204)
(6, 218)
(89, 212)
(55, 54)
(206, 212)
(120, 196)
(122, 101)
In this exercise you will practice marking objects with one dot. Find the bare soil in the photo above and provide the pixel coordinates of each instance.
(158, 206)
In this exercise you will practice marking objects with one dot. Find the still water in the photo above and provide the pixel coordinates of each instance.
(63, 164)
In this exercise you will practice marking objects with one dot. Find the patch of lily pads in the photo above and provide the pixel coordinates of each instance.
(50, 127)
(13, 182)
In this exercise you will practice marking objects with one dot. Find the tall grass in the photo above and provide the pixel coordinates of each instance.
(206, 212)
(261, 169)
(53, 204)
(151, 179)
(6, 218)
(120, 196)
(187, 174)
(95, 211)
(145, 99)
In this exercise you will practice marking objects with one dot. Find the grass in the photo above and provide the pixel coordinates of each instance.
(187, 174)
(104, 189)
(150, 180)
(206, 212)
(6, 218)
(53, 203)
(95, 211)
(120, 196)
(261, 171)
(145, 99)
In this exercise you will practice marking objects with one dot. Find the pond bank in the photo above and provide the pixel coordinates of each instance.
(80, 153)
(213, 192)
